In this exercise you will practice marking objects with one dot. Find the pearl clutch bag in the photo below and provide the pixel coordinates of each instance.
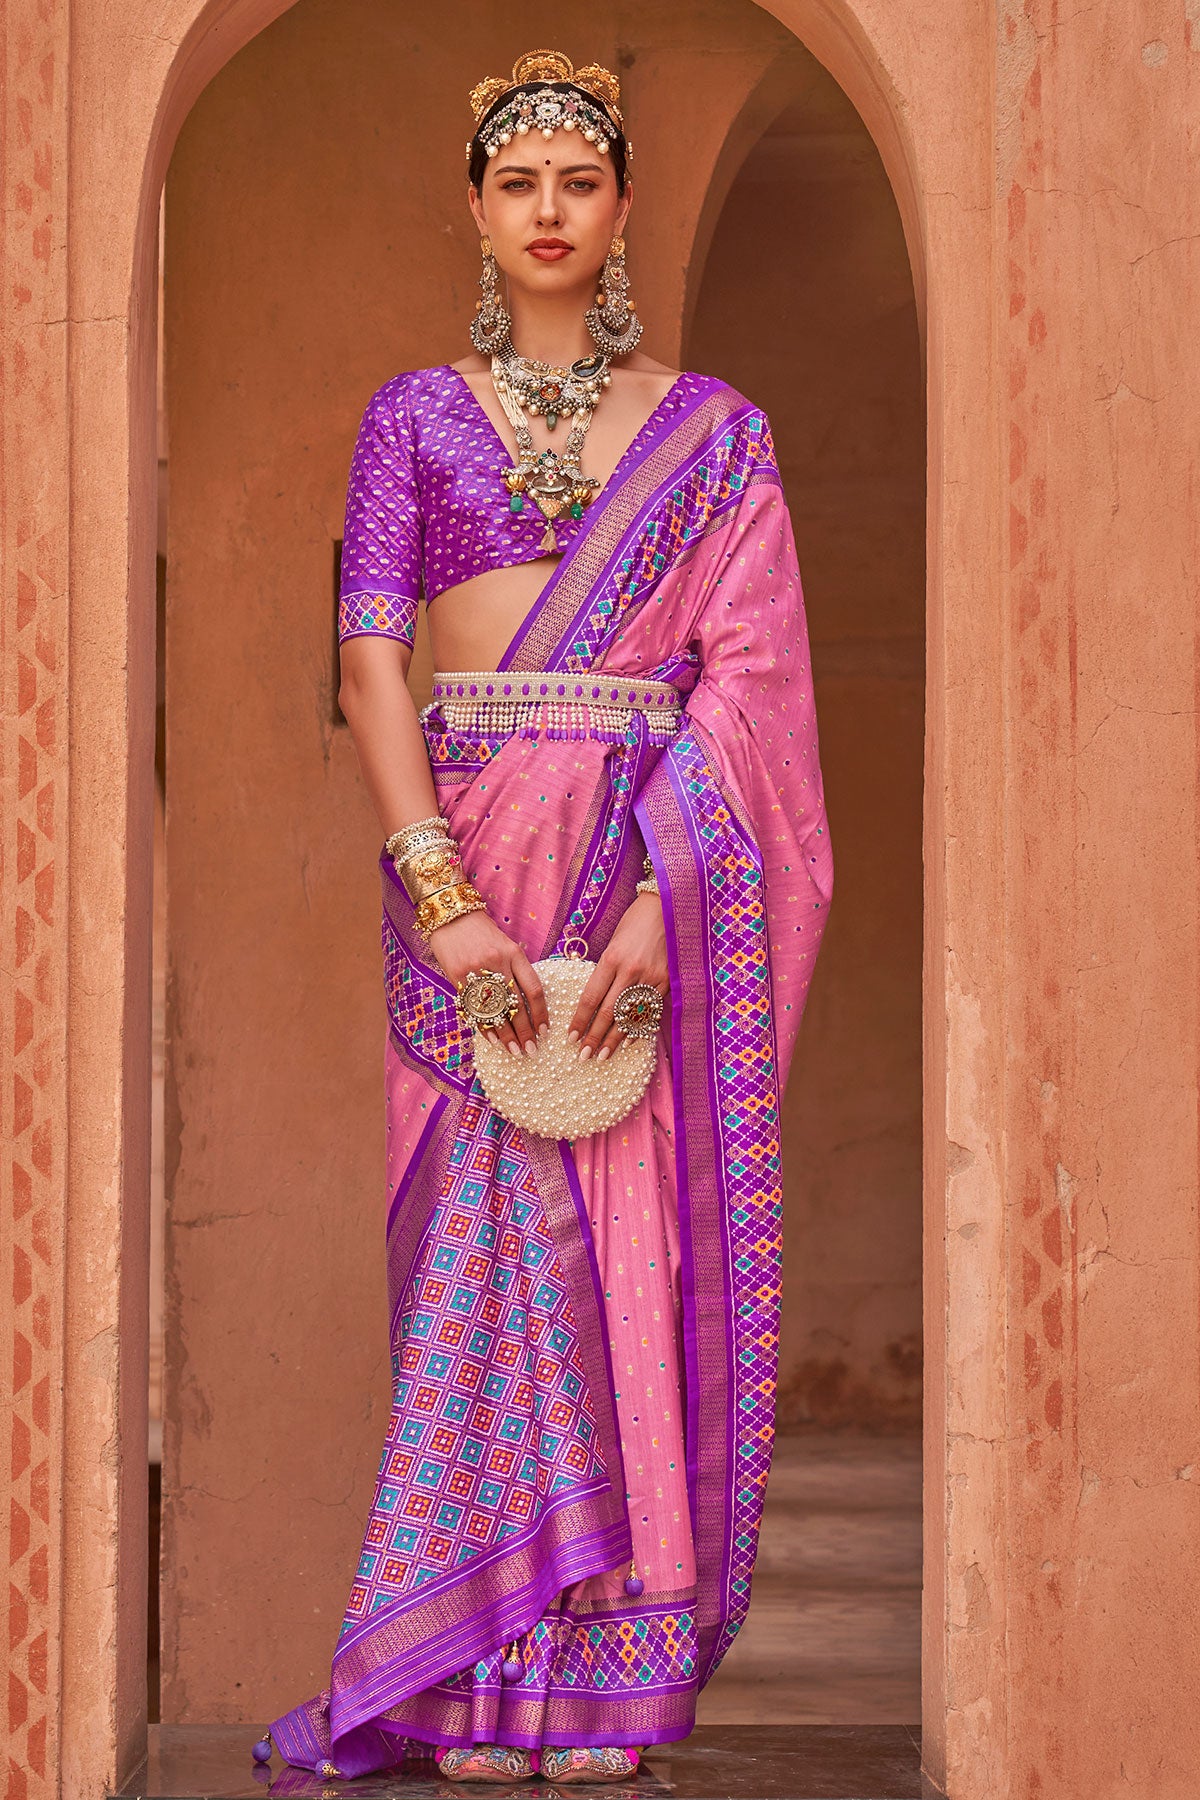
(554, 1094)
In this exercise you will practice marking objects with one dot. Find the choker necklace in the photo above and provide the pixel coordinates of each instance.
(554, 483)
(543, 388)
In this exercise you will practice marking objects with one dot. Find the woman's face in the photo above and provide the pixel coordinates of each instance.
(558, 187)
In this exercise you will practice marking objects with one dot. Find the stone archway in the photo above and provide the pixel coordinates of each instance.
(82, 622)
(291, 284)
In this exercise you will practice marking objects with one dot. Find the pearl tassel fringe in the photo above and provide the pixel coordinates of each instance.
(600, 715)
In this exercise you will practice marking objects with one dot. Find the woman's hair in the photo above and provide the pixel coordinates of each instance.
(478, 160)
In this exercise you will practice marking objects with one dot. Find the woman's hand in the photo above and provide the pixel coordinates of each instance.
(474, 941)
(637, 951)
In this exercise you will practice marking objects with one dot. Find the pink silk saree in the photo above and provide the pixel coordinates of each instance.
(584, 1336)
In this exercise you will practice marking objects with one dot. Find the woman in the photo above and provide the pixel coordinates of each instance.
(584, 1333)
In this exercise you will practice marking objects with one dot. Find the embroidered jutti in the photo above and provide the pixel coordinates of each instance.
(584, 1335)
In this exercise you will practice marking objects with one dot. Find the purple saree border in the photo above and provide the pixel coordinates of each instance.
(720, 1511)
(466, 1641)
(636, 527)
(398, 915)
(724, 1486)
(581, 1683)
(415, 1163)
(683, 1183)
(662, 432)
(603, 1732)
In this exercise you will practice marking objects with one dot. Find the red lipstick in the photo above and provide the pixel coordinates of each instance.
(549, 249)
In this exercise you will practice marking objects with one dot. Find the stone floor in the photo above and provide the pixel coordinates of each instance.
(722, 1762)
(831, 1646)
(833, 1635)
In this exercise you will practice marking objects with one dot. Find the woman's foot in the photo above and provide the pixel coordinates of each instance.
(485, 1762)
(598, 1762)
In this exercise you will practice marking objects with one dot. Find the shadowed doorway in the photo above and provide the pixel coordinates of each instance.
(290, 292)
(806, 304)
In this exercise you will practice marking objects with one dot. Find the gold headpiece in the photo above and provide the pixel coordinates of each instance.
(594, 111)
(549, 65)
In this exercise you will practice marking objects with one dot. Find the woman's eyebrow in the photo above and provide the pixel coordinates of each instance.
(573, 169)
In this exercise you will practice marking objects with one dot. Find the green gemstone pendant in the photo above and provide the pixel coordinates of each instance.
(576, 509)
(516, 504)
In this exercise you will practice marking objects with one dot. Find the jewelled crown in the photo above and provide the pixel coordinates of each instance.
(595, 112)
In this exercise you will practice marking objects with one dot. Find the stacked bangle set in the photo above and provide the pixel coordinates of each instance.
(429, 864)
(649, 882)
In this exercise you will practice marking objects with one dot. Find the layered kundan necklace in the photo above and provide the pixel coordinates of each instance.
(556, 484)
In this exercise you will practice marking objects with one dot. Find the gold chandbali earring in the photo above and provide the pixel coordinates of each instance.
(491, 325)
(613, 323)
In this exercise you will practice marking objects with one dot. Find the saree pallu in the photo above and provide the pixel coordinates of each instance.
(584, 1336)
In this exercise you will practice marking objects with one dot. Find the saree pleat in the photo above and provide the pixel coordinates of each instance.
(585, 1336)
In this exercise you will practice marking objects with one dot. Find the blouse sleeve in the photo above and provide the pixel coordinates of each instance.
(382, 542)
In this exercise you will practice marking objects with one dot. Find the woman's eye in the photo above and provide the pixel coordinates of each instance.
(518, 181)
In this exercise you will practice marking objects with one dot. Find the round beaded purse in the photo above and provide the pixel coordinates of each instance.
(554, 1094)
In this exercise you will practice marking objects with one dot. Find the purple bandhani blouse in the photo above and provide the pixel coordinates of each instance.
(426, 507)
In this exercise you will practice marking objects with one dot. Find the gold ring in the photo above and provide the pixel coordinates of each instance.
(487, 998)
(638, 1010)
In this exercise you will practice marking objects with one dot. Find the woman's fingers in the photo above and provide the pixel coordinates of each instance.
(520, 1033)
(602, 1036)
(598, 984)
(526, 978)
(600, 1029)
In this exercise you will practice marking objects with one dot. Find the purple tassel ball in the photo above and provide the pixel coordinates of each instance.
(262, 1751)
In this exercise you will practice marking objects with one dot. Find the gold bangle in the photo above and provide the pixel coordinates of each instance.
(425, 871)
(649, 881)
(399, 840)
(446, 904)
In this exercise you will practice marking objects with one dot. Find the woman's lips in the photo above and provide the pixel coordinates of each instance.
(550, 252)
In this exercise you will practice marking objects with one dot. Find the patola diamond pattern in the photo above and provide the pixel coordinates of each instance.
(599, 1654)
(423, 1015)
(684, 514)
(491, 1415)
(747, 1111)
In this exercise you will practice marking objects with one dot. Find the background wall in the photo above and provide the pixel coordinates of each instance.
(317, 240)
(806, 304)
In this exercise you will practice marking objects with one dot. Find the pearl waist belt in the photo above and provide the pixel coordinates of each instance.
(523, 701)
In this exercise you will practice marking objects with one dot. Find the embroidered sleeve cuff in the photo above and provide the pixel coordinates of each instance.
(377, 615)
